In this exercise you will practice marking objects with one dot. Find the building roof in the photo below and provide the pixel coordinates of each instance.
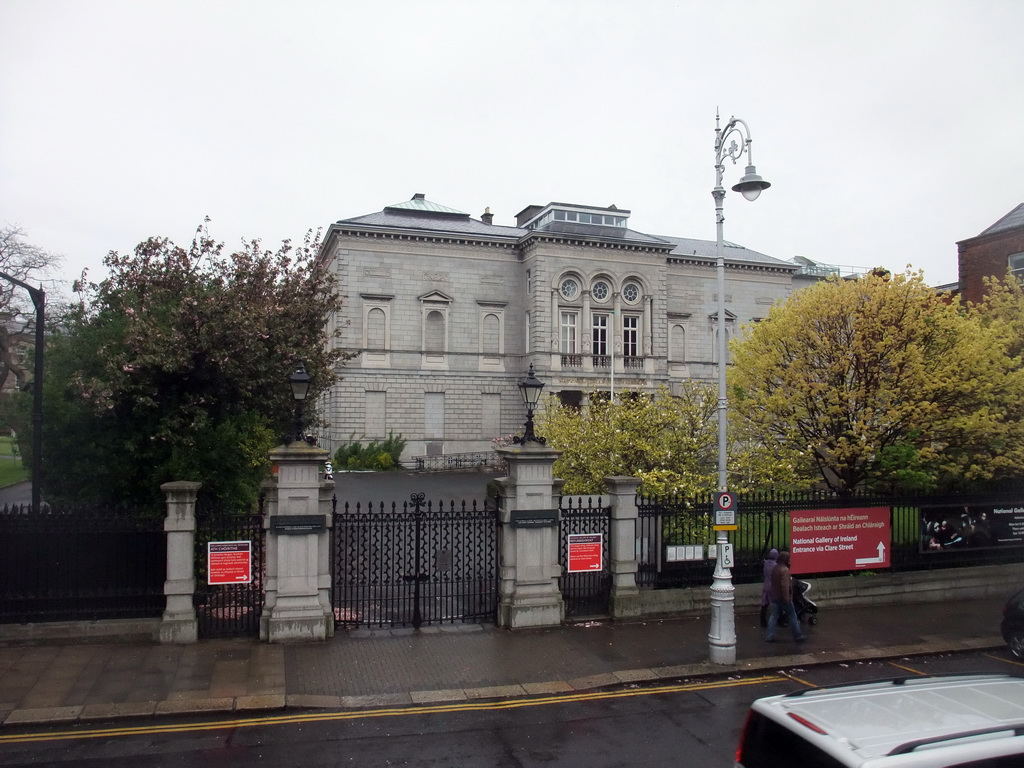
(688, 247)
(392, 218)
(419, 202)
(424, 215)
(1012, 220)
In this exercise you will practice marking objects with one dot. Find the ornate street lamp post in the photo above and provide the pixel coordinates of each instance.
(299, 381)
(530, 389)
(722, 638)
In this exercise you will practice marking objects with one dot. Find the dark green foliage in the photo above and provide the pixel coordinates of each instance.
(378, 455)
(178, 370)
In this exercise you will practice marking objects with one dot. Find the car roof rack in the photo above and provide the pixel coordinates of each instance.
(910, 746)
(902, 680)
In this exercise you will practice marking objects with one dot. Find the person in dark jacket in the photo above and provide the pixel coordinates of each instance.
(782, 600)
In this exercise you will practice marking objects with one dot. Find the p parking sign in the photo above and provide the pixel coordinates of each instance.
(725, 511)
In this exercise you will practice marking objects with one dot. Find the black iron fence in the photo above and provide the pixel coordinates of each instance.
(452, 462)
(67, 563)
(675, 535)
(583, 544)
(229, 609)
(414, 564)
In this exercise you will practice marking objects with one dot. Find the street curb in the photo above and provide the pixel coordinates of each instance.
(254, 703)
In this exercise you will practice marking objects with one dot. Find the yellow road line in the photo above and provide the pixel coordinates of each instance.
(1004, 659)
(796, 679)
(315, 717)
(907, 669)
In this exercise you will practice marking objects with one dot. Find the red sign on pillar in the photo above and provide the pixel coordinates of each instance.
(585, 550)
(823, 540)
(229, 562)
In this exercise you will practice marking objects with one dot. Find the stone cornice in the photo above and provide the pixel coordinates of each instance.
(449, 238)
(534, 238)
(743, 265)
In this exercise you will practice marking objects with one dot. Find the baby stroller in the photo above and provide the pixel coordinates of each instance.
(806, 609)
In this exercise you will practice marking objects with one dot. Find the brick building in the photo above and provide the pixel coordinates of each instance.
(447, 312)
(998, 248)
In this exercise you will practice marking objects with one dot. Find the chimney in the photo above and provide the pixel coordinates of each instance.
(487, 217)
(419, 196)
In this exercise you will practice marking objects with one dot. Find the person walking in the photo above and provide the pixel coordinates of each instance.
(766, 589)
(782, 600)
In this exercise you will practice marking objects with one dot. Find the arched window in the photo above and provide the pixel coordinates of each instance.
(677, 343)
(491, 334)
(376, 327)
(433, 337)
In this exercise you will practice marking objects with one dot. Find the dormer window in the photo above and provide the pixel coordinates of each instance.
(559, 216)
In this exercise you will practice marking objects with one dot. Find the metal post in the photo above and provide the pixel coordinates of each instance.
(722, 637)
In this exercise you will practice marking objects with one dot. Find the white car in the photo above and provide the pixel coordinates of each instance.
(961, 721)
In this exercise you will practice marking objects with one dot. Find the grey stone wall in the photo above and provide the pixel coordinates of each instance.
(464, 281)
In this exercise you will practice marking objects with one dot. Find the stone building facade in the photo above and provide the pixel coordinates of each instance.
(991, 253)
(446, 312)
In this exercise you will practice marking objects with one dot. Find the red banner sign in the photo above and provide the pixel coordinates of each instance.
(824, 540)
(229, 562)
(585, 551)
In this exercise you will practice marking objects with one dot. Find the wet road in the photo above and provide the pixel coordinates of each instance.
(693, 723)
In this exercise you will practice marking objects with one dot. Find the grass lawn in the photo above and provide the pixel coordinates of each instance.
(11, 469)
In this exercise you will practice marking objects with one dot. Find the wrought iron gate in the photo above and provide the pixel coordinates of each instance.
(229, 610)
(586, 594)
(414, 564)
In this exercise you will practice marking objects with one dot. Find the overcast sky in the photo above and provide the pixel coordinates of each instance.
(889, 130)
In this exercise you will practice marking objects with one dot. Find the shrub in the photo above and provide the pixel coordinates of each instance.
(377, 455)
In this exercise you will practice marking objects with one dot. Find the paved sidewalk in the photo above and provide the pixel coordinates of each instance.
(72, 682)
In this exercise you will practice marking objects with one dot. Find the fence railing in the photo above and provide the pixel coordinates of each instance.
(414, 564)
(67, 563)
(451, 462)
(585, 593)
(687, 526)
(229, 610)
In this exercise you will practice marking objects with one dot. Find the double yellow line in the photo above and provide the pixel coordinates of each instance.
(431, 709)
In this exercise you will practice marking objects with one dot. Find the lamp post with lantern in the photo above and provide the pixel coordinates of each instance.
(722, 637)
(299, 381)
(530, 389)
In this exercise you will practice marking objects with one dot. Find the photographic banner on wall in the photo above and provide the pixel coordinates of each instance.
(826, 540)
(971, 526)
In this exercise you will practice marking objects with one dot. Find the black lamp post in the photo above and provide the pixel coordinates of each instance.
(530, 388)
(299, 380)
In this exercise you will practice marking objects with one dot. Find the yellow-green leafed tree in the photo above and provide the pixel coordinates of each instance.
(669, 442)
(1002, 312)
(879, 382)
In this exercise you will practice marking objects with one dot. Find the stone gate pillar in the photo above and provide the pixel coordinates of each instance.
(622, 547)
(178, 623)
(528, 594)
(297, 600)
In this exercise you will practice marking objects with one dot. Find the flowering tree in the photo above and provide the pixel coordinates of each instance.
(175, 368)
(669, 442)
(881, 382)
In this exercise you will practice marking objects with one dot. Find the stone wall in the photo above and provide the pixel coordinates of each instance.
(878, 588)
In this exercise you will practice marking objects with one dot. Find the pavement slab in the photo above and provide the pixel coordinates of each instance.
(368, 669)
